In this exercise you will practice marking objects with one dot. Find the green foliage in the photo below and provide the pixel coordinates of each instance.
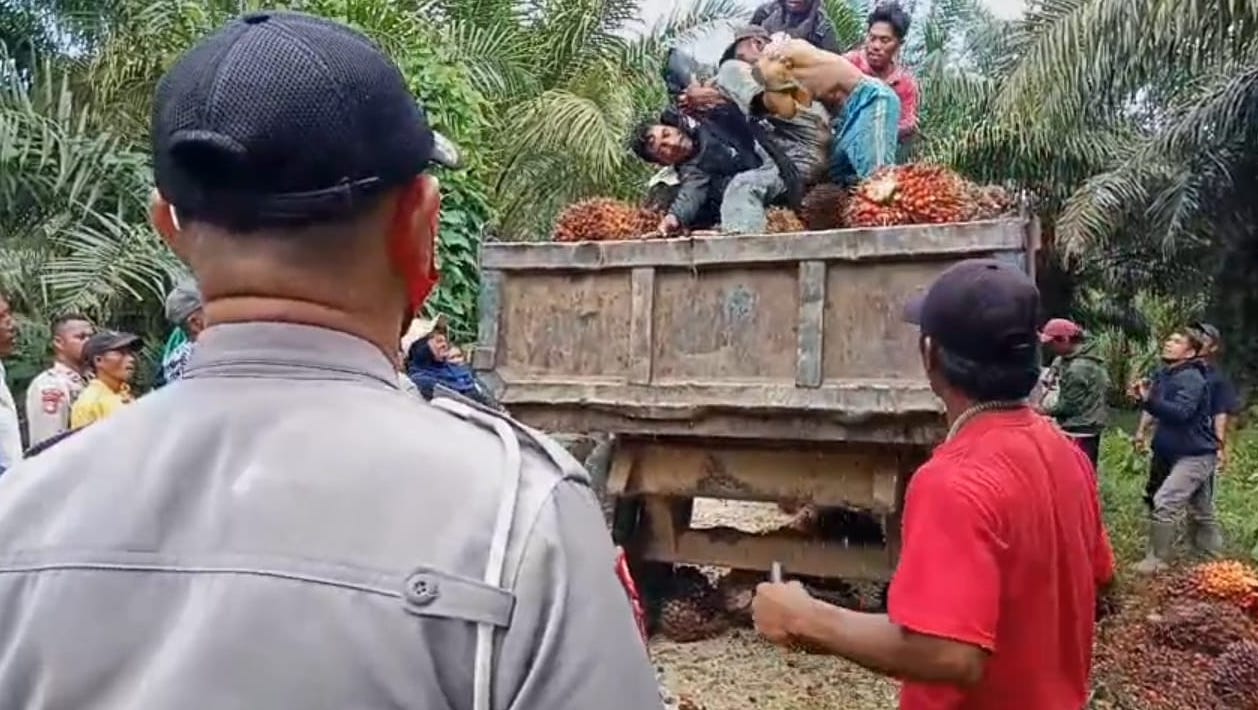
(458, 110)
(73, 203)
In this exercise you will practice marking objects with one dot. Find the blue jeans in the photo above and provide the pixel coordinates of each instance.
(865, 132)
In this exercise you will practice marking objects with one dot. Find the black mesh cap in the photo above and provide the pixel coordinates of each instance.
(981, 309)
(282, 118)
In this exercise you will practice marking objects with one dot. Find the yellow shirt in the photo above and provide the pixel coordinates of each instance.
(96, 402)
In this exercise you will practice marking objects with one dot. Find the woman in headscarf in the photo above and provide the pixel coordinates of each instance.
(428, 364)
(801, 19)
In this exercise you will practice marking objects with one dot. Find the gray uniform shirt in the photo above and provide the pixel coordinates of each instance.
(285, 528)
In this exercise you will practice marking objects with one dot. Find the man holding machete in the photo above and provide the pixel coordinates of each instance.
(1003, 546)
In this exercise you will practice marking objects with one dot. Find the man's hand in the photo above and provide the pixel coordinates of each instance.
(1141, 442)
(776, 609)
(1139, 390)
(668, 225)
(1220, 465)
(699, 98)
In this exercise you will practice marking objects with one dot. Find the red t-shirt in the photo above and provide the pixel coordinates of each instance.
(1004, 547)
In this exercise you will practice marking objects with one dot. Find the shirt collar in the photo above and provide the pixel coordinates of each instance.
(63, 369)
(287, 350)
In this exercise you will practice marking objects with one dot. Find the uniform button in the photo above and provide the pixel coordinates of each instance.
(422, 589)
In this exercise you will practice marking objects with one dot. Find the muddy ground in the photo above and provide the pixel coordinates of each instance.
(738, 671)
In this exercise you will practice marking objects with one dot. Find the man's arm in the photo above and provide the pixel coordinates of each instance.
(1186, 390)
(47, 410)
(691, 195)
(908, 106)
(573, 642)
(876, 643)
(944, 598)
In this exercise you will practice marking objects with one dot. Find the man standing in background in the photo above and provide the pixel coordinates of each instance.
(10, 428)
(53, 392)
(184, 311)
(110, 357)
(879, 58)
(801, 19)
(1184, 445)
(1081, 384)
(1225, 403)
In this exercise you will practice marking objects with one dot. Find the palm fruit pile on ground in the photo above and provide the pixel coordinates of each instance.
(1186, 641)
(1228, 580)
(602, 219)
(1235, 678)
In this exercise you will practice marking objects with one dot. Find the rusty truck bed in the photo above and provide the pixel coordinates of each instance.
(771, 337)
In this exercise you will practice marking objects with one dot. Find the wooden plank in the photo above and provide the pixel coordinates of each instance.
(641, 319)
(847, 401)
(1017, 259)
(905, 242)
(485, 356)
(812, 301)
(923, 429)
(848, 476)
(726, 547)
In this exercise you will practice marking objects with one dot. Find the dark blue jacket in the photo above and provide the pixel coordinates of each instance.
(1179, 399)
(427, 372)
(1223, 397)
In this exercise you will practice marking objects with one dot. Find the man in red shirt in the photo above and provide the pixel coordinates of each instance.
(879, 58)
(1003, 548)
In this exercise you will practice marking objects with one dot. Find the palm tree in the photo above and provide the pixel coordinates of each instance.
(72, 209)
(565, 80)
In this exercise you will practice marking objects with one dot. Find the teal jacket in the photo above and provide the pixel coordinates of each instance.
(1082, 382)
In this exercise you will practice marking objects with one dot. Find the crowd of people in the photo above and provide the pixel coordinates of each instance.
(91, 376)
(283, 525)
(727, 156)
(1186, 408)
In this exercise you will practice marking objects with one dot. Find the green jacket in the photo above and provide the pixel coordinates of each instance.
(1081, 386)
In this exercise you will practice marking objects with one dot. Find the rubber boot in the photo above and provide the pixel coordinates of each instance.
(1205, 537)
(1161, 539)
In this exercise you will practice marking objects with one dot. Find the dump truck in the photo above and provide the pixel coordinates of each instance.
(769, 367)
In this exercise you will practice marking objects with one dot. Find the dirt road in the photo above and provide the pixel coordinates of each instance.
(738, 671)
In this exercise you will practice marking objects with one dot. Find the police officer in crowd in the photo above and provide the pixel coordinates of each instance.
(52, 393)
(287, 528)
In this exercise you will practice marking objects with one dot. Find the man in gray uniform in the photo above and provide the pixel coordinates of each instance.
(283, 527)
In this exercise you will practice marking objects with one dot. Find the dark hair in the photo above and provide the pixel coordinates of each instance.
(640, 140)
(989, 382)
(892, 14)
(60, 321)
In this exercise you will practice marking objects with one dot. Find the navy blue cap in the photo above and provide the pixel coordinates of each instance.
(981, 309)
(107, 341)
(282, 118)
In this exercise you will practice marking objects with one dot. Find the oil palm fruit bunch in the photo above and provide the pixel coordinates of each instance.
(987, 201)
(824, 206)
(692, 609)
(1229, 580)
(603, 219)
(1235, 677)
(917, 193)
(782, 220)
(1201, 627)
